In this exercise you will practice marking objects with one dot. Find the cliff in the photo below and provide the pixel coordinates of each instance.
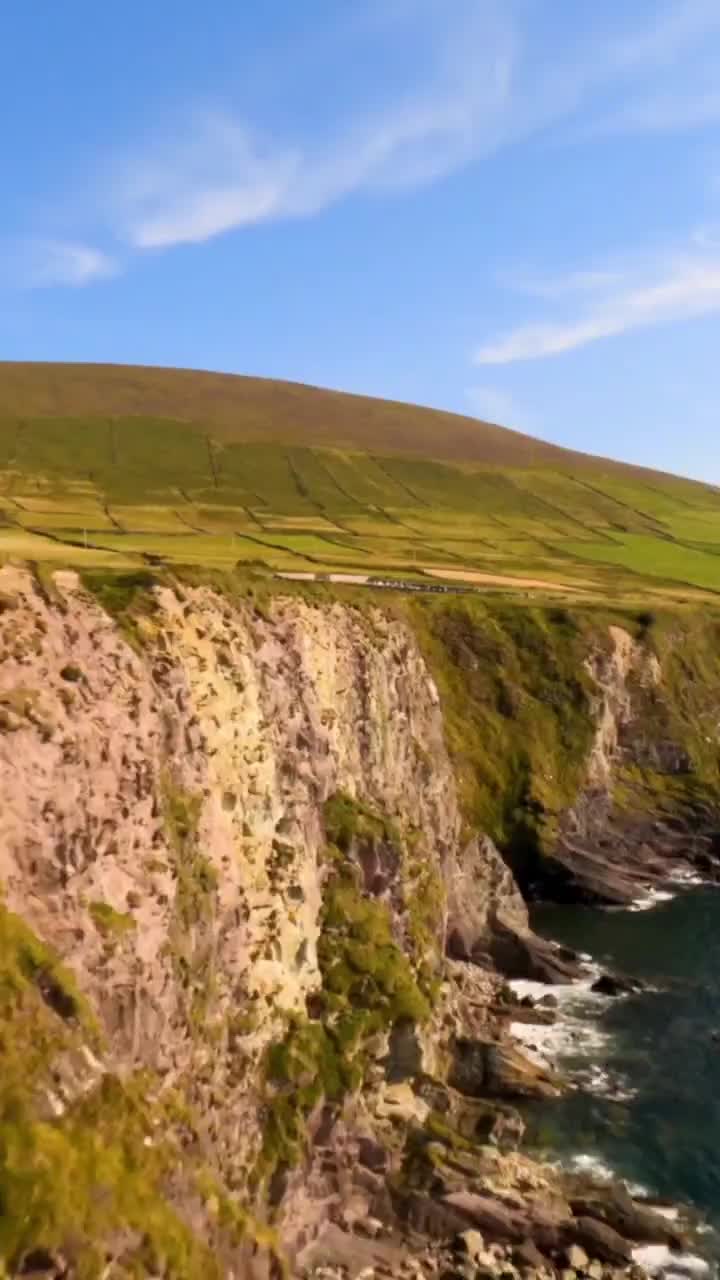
(262, 860)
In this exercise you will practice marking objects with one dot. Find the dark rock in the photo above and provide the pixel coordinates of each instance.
(599, 1240)
(323, 1126)
(41, 1262)
(524, 955)
(511, 1225)
(614, 984)
(498, 1070)
(478, 1119)
(527, 1254)
(615, 1206)
(372, 1155)
(436, 1219)
(495, 1219)
(480, 887)
(404, 1059)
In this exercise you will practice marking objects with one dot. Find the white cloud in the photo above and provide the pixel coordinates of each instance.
(224, 175)
(456, 81)
(676, 286)
(479, 79)
(550, 287)
(42, 264)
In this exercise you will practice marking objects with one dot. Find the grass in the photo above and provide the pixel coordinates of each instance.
(104, 467)
(655, 557)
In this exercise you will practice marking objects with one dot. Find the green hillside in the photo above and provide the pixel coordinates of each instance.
(105, 465)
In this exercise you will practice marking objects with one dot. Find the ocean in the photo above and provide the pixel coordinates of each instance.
(646, 1066)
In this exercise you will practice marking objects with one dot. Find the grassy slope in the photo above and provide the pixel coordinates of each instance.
(112, 465)
(235, 408)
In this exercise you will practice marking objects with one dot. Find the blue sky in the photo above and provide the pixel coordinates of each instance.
(503, 207)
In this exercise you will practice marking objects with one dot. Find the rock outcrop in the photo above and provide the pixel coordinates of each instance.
(638, 821)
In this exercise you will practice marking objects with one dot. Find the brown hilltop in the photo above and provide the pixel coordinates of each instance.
(236, 408)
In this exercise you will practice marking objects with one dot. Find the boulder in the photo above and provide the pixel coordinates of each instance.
(615, 1206)
(615, 984)
(576, 1257)
(477, 1119)
(469, 1244)
(527, 1254)
(486, 1068)
(524, 955)
(398, 1102)
(599, 1240)
(491, 1216)
(435, 1218)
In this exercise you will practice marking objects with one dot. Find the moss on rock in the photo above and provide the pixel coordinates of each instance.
(127, 597)
(111, 923)
(88, 1166)
(368, 986)
(364, 970)
(517, 706)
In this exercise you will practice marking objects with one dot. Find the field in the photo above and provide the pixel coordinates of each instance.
(122, 467)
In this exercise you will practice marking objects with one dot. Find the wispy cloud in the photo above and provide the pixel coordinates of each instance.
(676, 286)
(457, 82)
(676, 27)
(489, 82)
(218, 179)
(665, 113)
(225, 175)
(43, 264)
(567, 285)
(663, 74)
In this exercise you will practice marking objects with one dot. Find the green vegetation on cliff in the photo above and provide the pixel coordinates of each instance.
(520, 711)
(369, 984)
(674, 764)
(85, 1162)
(516, 700)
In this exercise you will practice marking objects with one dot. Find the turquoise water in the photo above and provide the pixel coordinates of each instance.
(655, 1054)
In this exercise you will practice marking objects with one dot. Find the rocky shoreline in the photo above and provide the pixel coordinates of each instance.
(496, 1215)
(491, 1211)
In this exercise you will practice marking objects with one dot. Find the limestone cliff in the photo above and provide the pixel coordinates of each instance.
(254, 925)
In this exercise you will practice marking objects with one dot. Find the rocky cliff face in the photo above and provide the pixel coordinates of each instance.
(645, 814)
(252, 941)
